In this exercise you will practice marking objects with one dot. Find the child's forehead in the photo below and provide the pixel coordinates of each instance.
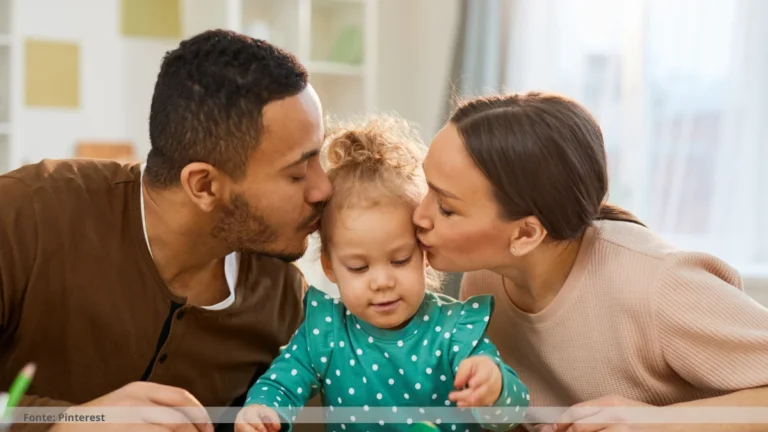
(376, 226)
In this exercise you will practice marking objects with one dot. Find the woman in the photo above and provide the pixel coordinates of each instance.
(592, 308)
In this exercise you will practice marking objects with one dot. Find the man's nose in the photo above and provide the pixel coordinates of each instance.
(321, 189)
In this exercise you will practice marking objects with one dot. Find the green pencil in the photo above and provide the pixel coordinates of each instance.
(19, 387)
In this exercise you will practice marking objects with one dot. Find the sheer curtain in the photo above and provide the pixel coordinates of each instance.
(680, 88)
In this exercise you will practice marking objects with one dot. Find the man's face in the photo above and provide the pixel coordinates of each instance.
(278, 203)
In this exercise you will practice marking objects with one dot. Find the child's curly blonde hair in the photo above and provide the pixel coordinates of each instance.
(372, 160)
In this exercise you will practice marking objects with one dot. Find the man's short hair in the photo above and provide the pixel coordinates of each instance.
(208, 101)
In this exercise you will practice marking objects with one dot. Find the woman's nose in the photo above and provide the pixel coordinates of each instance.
(421, 219)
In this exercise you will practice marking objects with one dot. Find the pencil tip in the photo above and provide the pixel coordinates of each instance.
(29, 369)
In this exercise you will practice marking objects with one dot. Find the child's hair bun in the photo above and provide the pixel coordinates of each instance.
(380, 142)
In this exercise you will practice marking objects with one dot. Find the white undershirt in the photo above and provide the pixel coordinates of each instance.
(231, 261)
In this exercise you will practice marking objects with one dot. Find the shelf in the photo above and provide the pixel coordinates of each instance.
(332, 68)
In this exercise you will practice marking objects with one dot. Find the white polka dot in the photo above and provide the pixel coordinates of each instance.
(343, 427)
(386, 355)
(365, 407)
(447, 403)
(400, 343)
(438, 421)
(349, 313)
(359, 351)
(438, 352)
(475, 305)
(265, 388)
(418, 386)
(294, 372)
(514, 388)
(449, 312)
(381, 422)
(509, 400)
(314, 303)
(438, 328)
(447, 335)
(415, 331)
(358, 326)
(370, 339)
(454, 331)
(273, 376)
(434, 396)
(469, 326)
(462, 312)
(409, 421)
(294, 348)
(352, 418)
(486, 340)
(331, 344)
(406, 396)
(426, 317)
(299, 390)
(287, 356)
(425, 342)
(455, 348)
(379, 396)
(341, 344)
(275, 403)
(474, 343)
(338, 372)
(323, 359)
(442, 377)
(339, 399)
(414, 358)
(485, 319)
(335, 301)
(394, 409)
(402, 372)
(327, 297)
(429, 370)
(375, 367)
(316, 331)
(365, 380)
(328, 381)
(352, 362)
(527, 397)
(391, 381)
(351, 391)
(453, 427)
(331, 406)
(421, 410)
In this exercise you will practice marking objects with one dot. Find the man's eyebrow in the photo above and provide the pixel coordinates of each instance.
(307, 155)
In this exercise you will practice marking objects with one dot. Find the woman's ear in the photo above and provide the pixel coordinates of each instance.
(527, 233)
(325, 261)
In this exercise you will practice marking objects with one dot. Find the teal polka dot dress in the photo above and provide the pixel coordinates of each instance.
(375, 379)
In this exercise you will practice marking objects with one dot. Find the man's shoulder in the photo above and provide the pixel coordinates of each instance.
(62, 175)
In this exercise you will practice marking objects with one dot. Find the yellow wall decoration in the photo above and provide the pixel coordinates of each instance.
(52, 74)
(152, 18)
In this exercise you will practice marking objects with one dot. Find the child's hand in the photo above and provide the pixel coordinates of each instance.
(479, 382)
(257, 418)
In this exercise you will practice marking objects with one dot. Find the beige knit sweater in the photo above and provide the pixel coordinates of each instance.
(635, 318)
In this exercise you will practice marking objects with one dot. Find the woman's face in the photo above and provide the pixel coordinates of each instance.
(458, 221)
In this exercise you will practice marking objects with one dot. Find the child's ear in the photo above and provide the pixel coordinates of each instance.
(325, 261)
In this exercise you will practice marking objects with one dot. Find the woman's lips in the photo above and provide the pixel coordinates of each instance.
(423, 247)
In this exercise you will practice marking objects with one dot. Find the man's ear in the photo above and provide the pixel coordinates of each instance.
(527, 233)
(325, 261)
(205, 185)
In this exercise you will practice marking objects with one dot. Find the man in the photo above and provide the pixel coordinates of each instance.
(168, 285)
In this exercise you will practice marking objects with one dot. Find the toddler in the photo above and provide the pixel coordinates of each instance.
(390, 350)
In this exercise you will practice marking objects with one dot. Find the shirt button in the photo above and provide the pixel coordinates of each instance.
(180, 315)
(163, 357)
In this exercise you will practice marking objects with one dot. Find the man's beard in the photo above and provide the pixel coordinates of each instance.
(244, 230)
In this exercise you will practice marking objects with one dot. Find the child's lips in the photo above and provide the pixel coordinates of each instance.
(386, 306)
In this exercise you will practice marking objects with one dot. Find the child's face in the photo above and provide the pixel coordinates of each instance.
(376, 262)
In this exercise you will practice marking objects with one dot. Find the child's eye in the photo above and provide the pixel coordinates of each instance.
(298, 179)
(402, 261)
(357, 269)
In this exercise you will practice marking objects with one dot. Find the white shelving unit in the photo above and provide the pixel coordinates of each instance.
(335, 39)
(6, 99)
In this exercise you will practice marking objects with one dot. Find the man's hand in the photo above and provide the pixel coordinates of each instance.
(479, 382)
(257, 418)
(161, 408)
